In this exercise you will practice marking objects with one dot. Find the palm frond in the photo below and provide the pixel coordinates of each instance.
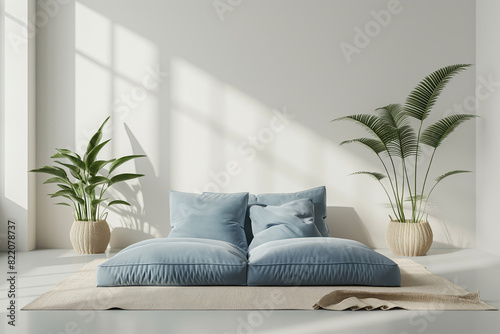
(376, 175)
(393, 115)
(450, 173)
(374, 144)
(405, 144)
(436, 133)
(395, 134)
(373, 124)
(421, 100)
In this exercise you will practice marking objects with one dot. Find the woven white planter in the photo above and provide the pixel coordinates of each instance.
(409, 239)
(88, 237)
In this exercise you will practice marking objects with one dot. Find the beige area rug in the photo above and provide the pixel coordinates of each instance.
(420, 290)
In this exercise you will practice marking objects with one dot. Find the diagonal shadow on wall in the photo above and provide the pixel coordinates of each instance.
(344, 222)
(137, 221)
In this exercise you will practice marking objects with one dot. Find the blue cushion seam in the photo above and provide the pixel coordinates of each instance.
(173, 264)
(321, 264)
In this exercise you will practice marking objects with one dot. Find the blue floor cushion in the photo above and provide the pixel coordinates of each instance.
(319, 261)
(175, 261)
(294, 219)
(317, 195)
(215, 216)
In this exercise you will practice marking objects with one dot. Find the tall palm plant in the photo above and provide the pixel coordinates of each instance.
(83, 181)
(395, 139)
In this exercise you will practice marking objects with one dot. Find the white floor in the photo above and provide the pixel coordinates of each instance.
(40, 270)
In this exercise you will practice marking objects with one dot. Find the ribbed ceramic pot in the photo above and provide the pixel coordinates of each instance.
(409, 239)
(89, 237)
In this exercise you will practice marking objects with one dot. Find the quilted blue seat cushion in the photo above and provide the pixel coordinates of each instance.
(294, 219)
(317, 195)
(176, 261)
(215, 216)
(320, 261)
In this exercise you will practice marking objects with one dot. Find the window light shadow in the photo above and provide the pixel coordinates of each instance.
(213, 124)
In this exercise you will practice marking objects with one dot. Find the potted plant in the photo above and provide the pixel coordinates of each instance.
(398, 135)
(83, 182)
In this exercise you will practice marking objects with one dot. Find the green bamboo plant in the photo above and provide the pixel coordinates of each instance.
(398, 135)
(89, 181)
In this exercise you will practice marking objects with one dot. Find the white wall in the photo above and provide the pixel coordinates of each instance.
(17, 120)
(227, 80)
(488, 136)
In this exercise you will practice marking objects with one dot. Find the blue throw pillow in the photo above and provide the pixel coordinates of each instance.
(209, 216)
(175, 261)
(320, 261)
(291, 220)
(317, 195)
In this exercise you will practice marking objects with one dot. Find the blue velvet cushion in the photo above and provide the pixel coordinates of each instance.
(209, 216)
(317, 195)
(294, 219)
(320, 261)
(179, 261)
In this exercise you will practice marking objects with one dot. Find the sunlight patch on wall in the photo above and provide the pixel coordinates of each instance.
(132, 53)
(224, 140)
(93, 34)
(92, 100)
(209, 124)
(93, 89)
(15, 104)
(136, 84)
(118, 74)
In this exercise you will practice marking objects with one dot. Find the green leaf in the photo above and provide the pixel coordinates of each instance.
(90, 189)
(62, 192)
(404, 143)
(64, 152)
(77, 162)
(436, 133)
(115, 202)
(64, 187)
(57, 171)
(120, 161)
(90, 158)
(394, 115)
(96, 202)
(373, 124)
(421, 100)
(98, 165)
(69, 194)
(375, 145)
(377, 176)
(58, 156)
(75, 171)
(453, 172)
(79, 200)
(76, 176)
(79, 189)
(57, 180)
(96, 180)
(66, 204)
(96, 138)
(123, 177)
